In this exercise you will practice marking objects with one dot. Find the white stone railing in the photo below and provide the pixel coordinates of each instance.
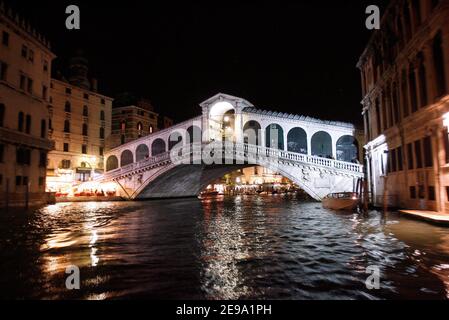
(237, 151)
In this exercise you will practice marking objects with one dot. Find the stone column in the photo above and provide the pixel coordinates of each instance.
(238, 126)
(334, 146)
(285, 139)
(309, 144)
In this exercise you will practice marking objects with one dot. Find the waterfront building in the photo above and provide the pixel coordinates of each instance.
(405, 83)
(80, 123)
(25, 72)
(132, 118)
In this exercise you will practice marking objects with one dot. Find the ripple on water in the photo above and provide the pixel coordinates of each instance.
(245, 248)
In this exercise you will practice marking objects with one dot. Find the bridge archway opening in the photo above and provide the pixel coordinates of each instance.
(194, 134)
(142, 152)
(222, 121)
(252, 133)
(126, 158)
(111, 163)
(322, 145)
(297, 141)
(274, 136)
(174, 140)
(347, 149)
(158, 147)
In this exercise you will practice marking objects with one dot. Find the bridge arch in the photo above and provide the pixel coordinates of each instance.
(158, 147)
(252, 133)
(322, 145)
(142, 152)
(111, 163)
(297, 141)
(174, 139)
(274, 135)
(194, 134)
(347, 148)
(126, 158)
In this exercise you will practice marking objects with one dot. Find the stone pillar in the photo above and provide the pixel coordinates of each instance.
(334, 147)
(205, 125)
(238, 126)
(440, 192)
(309, 144)
(285, 139)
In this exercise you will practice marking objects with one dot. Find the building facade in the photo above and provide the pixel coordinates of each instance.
(405, 83)
(80, 123)
(131, 122)
(25, 73)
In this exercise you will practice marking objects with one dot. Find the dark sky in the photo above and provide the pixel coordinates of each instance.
(297, 57)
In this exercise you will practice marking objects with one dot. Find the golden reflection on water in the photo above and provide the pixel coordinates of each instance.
(223, 248)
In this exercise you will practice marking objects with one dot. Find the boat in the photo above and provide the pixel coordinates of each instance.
(341, 201)
(209, 194)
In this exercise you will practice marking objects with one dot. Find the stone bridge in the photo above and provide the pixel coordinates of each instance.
(320, 156)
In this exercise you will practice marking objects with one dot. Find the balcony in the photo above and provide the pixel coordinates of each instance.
(19, 138)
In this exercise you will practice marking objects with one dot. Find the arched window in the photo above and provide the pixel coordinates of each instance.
(347, 149)
(2, 114)
(322, 145)
(274, 137)
(142, 152)
(101, 133)
(85, 130)
(85, 111)
(158, 147)
(68, 107)
(67, 126)
(297, 141)
(139, 129)
(102, 116)
(111, 163)
(28, 124)
(126, 158)
(151, 128)
(21, 121)
(123, 126)
(43, 129)
(252, 133)
(438, 57)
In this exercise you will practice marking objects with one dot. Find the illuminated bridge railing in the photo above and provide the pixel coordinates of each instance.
(235, 151)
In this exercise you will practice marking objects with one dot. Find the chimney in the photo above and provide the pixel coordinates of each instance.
(94, 85)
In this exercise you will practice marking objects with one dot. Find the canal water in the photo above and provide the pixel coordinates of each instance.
(273, 247)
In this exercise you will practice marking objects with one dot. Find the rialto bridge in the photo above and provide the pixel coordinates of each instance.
(320, 156)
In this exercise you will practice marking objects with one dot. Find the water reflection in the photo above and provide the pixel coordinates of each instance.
(247, 247)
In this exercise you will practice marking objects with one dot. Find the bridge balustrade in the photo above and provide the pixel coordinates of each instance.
(238, 150)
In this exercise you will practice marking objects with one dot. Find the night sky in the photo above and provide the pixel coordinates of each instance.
(297, 57)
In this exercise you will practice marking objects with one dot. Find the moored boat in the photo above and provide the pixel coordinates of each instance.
(341, 201)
